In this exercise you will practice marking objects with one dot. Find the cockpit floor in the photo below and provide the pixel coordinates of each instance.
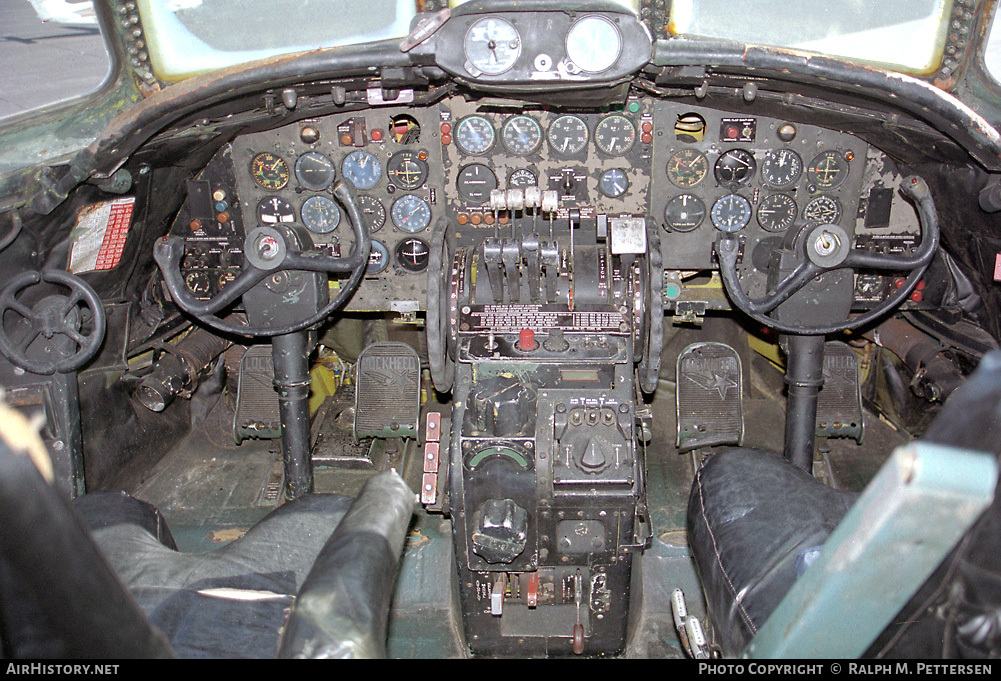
(212, 490)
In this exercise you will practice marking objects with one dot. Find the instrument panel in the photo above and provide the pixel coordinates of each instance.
(389, 157)
(692, 172)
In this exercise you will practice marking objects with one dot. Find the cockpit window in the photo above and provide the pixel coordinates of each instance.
(51, 50)
(189, 37)
(904, 35)
(992, 51)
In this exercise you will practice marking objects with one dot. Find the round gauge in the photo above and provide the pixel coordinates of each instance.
(613, 183)
(474, 135)
(593, 43)
(475, 182)
(568, 135)
(827, 170)
(320, 214)
(684, 213)
(269, 171)
(274, 209)
(412, 254)
(198, 283)
(823, 209)
(522, 135)
(492, 46)
(734, 165)
(781, 168)
(777, 212)
(378, 258)
(411, 213)
(731, 213)
(372, 212)
(226, 278)
(614, 135)
(314, 171)
(687, 167)
(362, 169)
(521, 178)
(407, 169)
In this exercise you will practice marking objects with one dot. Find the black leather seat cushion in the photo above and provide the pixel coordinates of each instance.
(752, 517)
(251, 582)
(754, 523)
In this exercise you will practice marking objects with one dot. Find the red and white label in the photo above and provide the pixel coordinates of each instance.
(997, 267)
(101, 231)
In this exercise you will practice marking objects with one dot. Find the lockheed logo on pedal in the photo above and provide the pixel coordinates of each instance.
(711, 373)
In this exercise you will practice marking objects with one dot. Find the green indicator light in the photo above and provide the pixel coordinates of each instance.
(634, 106)
(672, 291)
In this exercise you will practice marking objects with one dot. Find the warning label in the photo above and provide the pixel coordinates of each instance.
(100, 235)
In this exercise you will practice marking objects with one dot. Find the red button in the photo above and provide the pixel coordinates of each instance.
(646, 138)
(446, 128)
(917, 296)
(920, 286)
(446, 140)
(526, 340)
(376, 135)
(647, 126)
(732, 133)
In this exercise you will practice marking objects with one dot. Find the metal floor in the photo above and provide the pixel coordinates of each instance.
(211, 491)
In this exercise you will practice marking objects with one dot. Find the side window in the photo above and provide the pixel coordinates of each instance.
(50, 51)
(992, 50)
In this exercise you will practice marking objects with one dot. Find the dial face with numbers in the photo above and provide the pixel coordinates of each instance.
(568, 135)
(781, 168)
(269, 171)
(320, 214)
(777, 212)
(362, 169)
(411, 213)
(522, 135)
(731, 213)
(614, 135)
(521, 178)
(687, 167)
(823, 209)
(475, 135)
(492, 46)
(372, 212)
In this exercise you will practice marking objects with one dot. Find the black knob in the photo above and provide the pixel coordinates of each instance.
(501, 531)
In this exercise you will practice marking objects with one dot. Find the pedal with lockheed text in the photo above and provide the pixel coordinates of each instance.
(709, 397)
(387, 391)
